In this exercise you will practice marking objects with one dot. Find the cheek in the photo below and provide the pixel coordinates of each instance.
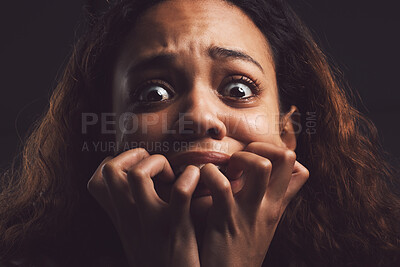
(148, 129)
(250, 127)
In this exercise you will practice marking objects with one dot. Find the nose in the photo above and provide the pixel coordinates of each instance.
(199, 117)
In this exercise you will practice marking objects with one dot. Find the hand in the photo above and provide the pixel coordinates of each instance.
(152, 232)
(240, 227)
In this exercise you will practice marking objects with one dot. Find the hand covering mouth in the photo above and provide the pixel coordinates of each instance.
(198, 158)
(179, 170)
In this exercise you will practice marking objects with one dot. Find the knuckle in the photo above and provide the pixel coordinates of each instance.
(224, 187)
(95, 184)
(138, 153)
(305, 173)
(136, 174)
(274, 215)
(109, 169)
(140, 150)
(264, 166)
(286, 155)
(158, 157)
(181, 193)
(90, 186)
(289, 155)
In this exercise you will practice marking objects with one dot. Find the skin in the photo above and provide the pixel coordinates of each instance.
(154, 211)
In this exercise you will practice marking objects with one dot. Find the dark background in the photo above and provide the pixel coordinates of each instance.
(361, 37)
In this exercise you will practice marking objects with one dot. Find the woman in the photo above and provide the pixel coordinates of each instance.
(201, 105)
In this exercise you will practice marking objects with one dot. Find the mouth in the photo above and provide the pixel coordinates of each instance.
(180, 161)
(180, 169)
(198, 158)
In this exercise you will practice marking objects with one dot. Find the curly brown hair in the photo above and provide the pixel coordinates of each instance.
(347, 214)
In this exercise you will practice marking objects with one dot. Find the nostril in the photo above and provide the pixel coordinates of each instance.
(213, 131)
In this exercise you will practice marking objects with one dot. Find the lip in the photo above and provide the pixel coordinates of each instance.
(203, 157)
(198, 157)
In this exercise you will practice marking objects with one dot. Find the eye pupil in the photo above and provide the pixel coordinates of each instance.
(237, 92)
(154, 95)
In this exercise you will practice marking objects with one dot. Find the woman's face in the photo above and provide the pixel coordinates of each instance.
(195, 76)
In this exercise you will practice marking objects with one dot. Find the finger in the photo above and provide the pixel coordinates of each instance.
(219, 186)
(114, 173)
(127, 159)
(183, 189)
(299, 178)
(182, 229)
(140, 179)
(98, 189)
(256, 171)
(282, 166)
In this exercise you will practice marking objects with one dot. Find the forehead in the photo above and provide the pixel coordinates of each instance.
(192, 27)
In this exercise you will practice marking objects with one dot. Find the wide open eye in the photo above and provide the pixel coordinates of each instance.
(237, 90)
(154, 92)
(241, 88)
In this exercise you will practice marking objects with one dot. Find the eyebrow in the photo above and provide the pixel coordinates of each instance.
(163, 60)
(220, 52)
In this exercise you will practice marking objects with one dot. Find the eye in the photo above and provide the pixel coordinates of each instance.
(240, 88)
(154, 92)
(237, 90)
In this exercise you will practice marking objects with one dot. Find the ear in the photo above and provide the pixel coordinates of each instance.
(289, 129)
